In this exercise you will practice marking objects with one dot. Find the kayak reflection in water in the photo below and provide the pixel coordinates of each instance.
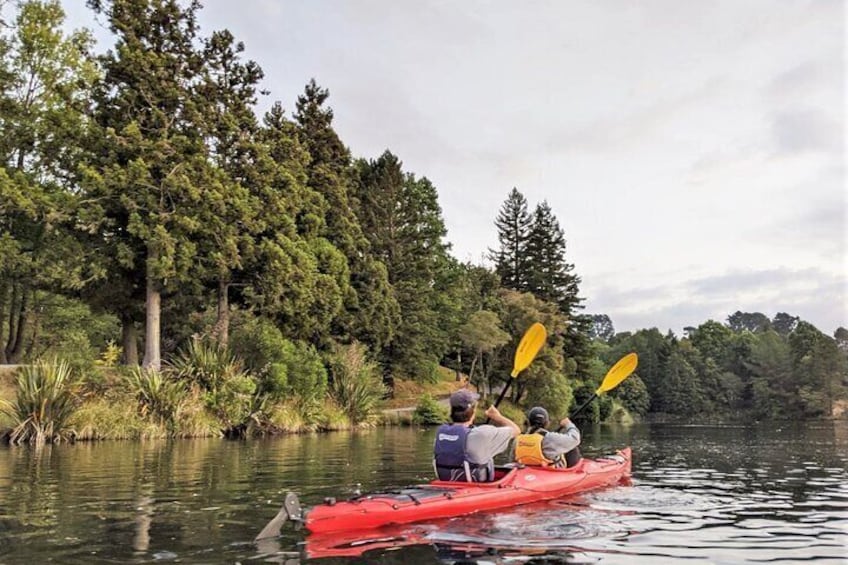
(540, 447)
(464, 452)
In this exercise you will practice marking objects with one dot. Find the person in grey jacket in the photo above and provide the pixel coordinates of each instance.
(541, 447)
(464, 452)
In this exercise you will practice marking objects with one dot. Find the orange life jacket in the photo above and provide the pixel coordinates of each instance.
(528, 449)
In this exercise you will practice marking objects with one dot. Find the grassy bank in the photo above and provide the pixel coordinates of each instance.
(112, 403)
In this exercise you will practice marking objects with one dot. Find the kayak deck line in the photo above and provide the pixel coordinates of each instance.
(516, 485)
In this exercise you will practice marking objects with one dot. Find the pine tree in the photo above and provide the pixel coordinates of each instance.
(549, 275)
(371, 309)
(228, 90)
(513, 225)
(148, 171)
(401, 218)
(290, 243)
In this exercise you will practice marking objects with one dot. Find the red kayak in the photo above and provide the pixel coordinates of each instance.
(442, 499)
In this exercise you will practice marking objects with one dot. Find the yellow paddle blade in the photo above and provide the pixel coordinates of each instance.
(620, 371)
(533, 340)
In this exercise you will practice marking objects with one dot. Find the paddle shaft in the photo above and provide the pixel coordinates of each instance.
(503, 393)
(501, 396)
(585, 404)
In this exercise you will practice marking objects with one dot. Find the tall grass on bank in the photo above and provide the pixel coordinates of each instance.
(43, 405)
(115, 416)
(357, 386)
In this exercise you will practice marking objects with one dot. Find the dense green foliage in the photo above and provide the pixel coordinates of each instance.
(428, 412)
(144, 205)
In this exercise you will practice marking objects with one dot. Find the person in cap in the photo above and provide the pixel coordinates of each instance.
(540, 447)
(464, 452)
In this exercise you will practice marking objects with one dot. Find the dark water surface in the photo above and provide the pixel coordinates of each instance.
(700, 494)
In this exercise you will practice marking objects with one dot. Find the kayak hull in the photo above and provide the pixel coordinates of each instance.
(443, 499)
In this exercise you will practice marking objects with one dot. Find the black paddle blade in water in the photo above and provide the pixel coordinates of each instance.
(291, 510)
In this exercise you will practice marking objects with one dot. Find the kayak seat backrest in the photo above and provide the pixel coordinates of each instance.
(502, 475)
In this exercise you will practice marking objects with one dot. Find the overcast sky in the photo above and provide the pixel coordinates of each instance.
(693, 152)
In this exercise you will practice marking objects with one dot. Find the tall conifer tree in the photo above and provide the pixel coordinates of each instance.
(549, 276)
(513, 225)
(150, 171)
(401, 217)
(371, 309)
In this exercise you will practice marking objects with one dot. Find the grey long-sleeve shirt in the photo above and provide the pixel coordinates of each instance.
(555, 444)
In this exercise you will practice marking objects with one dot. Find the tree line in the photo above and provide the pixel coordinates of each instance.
(144, 200)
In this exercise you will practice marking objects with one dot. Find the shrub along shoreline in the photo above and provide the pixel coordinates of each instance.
(205, 392)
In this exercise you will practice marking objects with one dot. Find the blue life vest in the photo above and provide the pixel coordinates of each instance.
(450, 462)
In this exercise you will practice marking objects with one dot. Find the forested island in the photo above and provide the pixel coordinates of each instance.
(174, 264)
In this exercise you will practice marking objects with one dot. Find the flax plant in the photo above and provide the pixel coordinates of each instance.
(44, 402)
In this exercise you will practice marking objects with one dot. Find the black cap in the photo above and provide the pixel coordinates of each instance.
(537, 416)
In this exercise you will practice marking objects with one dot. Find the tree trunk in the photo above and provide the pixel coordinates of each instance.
(473, 366)
(153, 310)
(18, 344)
(35, 322)
(518, 392)
(13, 308)
(458, 365)
(484, 376)
(4, 291)
(221, 331)
(129, 342)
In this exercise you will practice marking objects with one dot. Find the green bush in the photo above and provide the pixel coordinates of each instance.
(429, 412)
(282, 367)
(226, 387)
(44, 402)
(620, 415)
(633, 395)
(430, 373)
(511, 411)
(357, 385)
(605, 406)
(67, 329)
(307, 374)
(551, 390)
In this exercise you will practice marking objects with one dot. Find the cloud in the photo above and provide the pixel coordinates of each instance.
(813, 294)
(806, 129)
(798, 80)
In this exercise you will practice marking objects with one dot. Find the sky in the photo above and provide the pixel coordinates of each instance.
(693, 152)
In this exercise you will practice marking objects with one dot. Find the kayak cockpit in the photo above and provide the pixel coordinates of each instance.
(504, 475)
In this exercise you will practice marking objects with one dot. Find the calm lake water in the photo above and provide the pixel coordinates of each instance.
(700, 494)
